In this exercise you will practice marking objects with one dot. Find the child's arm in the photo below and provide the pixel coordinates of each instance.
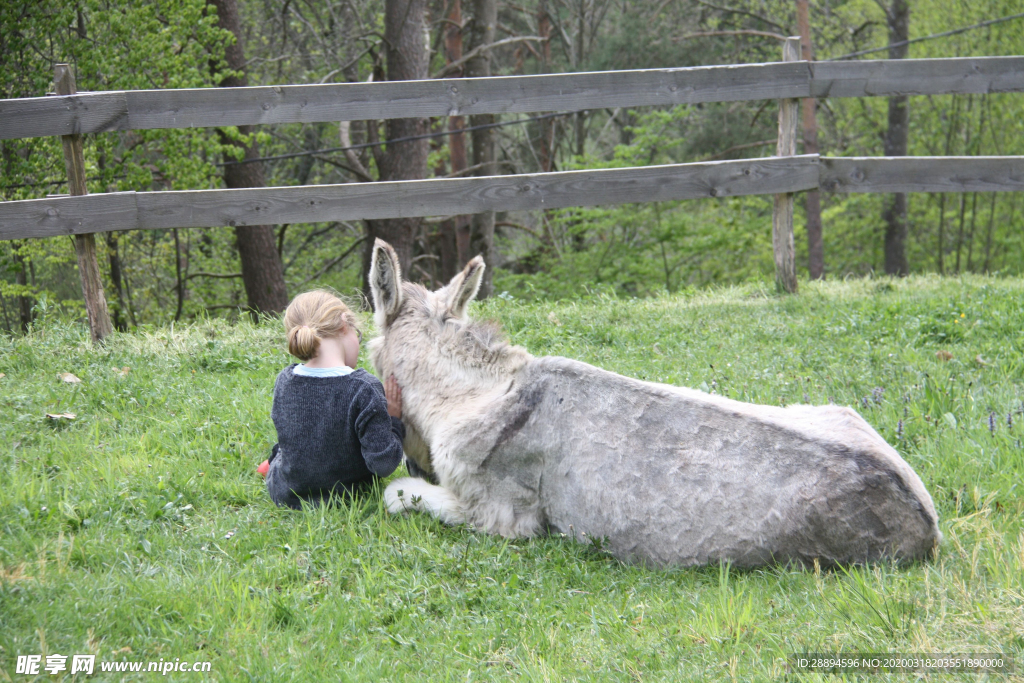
(381, 431)
(264, 467)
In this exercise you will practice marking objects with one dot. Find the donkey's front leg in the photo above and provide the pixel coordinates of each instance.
(416, 494)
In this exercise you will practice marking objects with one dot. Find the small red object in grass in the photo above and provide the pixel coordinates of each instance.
(264, 468)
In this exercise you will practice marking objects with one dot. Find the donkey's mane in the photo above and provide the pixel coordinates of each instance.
(483, 342)
(488, 334)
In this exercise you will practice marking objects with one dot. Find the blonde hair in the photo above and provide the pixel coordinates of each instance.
(313, 316)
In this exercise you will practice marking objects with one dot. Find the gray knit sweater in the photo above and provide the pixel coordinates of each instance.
(334, 434)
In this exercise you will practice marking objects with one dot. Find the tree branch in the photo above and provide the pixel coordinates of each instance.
(476, 52)
(476, 167)
(309, 238)
(736, 148)
(743, 32)
(350, 154)
(333, 262)
(518, 226)
(240, 307)
(216, 275)
(351, 63)
(741, 11)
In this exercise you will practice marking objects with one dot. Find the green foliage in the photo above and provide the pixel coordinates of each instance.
(113, 46)
(951, 233)
(641, 249)
(637, 250)
(140, 530)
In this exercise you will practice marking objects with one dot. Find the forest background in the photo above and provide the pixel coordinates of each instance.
(152, 277)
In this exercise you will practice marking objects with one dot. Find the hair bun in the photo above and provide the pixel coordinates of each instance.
(303, 342)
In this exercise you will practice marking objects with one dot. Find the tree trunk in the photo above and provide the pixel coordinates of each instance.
(407, 59)
(21, 278)
(942, 231)
(970, 237)
(485, 18)
(960, 230)
(812, 200)
(580, 118)
(895, 214)
(114, 260)
(547, 126)
(262, 272)
(954, 122)
(988, 238)
(457, 230)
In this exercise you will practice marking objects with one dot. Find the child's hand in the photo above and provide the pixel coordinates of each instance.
(394, 396)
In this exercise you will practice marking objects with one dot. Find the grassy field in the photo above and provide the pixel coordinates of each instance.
(140, 530)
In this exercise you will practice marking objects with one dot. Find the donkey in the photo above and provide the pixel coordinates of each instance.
(655, 474)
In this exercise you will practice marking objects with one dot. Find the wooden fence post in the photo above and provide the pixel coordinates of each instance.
(782, 216)
(85, 245)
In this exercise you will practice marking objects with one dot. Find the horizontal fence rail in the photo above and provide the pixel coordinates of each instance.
(922, 174)
(99, 112)
(441, 197)
(887, 77)
(400, 199)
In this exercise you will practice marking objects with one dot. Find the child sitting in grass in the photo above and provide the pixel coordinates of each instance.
(338, 428)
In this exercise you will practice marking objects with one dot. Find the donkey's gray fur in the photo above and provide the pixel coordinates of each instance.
(661, 475)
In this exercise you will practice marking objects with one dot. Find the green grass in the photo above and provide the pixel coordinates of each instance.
(140, 529)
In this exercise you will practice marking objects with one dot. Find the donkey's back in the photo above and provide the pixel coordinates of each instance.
(674, 476)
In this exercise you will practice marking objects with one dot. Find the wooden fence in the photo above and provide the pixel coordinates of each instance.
(75, 114)
(442, 197)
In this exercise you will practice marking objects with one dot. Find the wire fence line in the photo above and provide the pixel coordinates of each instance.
(943, 34)
(328, 150)
(407, 138)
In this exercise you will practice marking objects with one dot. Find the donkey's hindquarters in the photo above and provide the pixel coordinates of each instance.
(674, 476)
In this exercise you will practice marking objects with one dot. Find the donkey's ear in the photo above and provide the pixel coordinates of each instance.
(464, 286)
(385, 283)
